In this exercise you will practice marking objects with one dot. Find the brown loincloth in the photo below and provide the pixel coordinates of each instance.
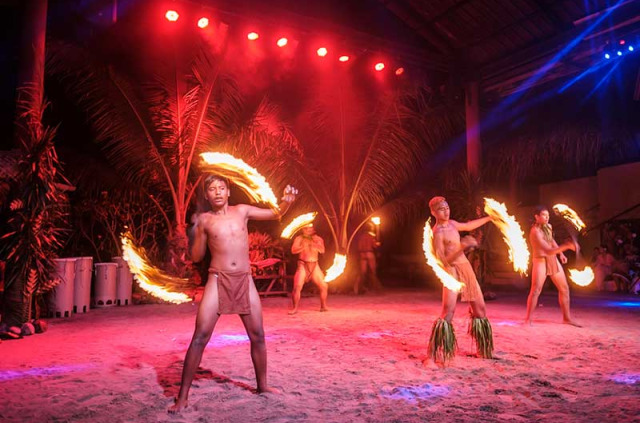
(309, 267)
(552, 265)
(233, 291)
(463, 272)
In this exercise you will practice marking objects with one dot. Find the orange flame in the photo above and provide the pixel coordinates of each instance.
(298, 223)
(145, 273)
(582, 277)
(243, 175)
(511, 233)
(375, 220)
(570, 215)
(429, 253)
(336, 269)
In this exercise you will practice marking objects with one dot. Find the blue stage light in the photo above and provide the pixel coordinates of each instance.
(630, 48)
(619, 53)
(607, 56)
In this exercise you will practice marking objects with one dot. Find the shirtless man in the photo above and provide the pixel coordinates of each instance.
(229, 289)
(545, 263)
(308, 245)
(449, 248)
(367, 244)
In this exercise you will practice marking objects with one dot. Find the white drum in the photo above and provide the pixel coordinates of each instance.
(124, 282)
(61, 297)
(82, 288)
(104, 294)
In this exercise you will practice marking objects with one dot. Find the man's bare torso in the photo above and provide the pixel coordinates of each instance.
(449, 238)
(309, 250)
(538, 242)
(227, 239)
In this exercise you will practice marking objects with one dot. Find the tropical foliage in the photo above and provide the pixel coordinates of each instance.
(36, 216)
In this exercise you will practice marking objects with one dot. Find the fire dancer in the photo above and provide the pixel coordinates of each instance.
(449, 249)
(308, 245)
(229, 289)
(367, 245)
(544, 262)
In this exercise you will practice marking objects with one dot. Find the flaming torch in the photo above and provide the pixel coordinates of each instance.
(243, 175)
(336, 269)
(580, 277)
(145, 273)
(298, 223)
(429, 253)
(570, 216)
(511, 233)
(376, 221)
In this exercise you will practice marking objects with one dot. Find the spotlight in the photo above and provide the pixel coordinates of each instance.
(622, 42)
(399, 71)
(619, 53)
(282, 42)
(344, 58)
(171, 15)
(379, 66)
(203, 23)
(322, 52)
(252, 36)
(630, 48)
(607, 56)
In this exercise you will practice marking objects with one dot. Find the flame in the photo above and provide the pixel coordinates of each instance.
(336, 269)
(581, 277)
(427, 245)
(570, 215)
(376, 220)
(243, 175)
(145, 273)
(297, 224)
(511, 233)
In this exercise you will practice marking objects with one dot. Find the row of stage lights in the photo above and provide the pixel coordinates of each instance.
(623, 48)
(203, 22)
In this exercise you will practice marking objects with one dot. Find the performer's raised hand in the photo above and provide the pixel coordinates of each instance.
(290, 194)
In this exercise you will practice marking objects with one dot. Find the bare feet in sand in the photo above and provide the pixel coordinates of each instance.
(292, 312)
(324, 309)
(269, 390)
(572, 323)
(178, 406)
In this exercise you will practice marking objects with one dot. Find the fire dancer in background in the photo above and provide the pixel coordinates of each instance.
(544, 262)
(367, 276)
(308, 246)
(229, 289)
(449, 249)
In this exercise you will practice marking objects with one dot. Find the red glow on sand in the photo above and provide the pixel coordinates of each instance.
(171, 15)
(322, 52)
(379, 66)
(399, 71)
(344, 58)
(203, 23)
(252, 36)
(282, 42)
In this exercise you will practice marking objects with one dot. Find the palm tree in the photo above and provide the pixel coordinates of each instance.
(363, 149)
(152, 132)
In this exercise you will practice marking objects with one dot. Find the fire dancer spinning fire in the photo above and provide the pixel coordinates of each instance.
(449, 250)
(545, 263)
(308, 245)
(229, 289)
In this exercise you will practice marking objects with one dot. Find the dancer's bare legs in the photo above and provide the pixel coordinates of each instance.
(538, 276)
(318, 278)
(205, 323)
(298, 284)
(560, 281)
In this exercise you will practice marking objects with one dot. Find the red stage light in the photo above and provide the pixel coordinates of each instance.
(344, 58)
(322, 52)
(252, 36)
(399, 71)
(282, 42)
(379, 66)
(622, 42)
(171, 15)
(203, 23)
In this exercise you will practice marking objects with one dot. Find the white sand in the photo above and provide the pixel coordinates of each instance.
(360, 362)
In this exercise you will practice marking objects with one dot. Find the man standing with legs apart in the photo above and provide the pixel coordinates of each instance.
(449, 249)
(545, 263)
(229, 289)
(308, 245)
